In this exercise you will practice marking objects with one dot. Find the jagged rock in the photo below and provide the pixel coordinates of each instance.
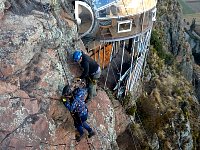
(4, 5)
(170, 25)
(22, 122)
(35, 56)
(196, 81)
(155, 142)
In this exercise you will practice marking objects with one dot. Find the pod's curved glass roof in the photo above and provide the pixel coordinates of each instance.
(102, 3)
(116, 8)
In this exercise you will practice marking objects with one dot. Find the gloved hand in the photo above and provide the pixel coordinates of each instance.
(63, 99)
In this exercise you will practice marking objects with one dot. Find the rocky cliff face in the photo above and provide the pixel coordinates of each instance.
(36, 43)
(183, 45)
(167, 113)
(170, 26)
(193, 38)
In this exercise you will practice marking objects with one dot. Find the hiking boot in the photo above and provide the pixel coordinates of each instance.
(94, 95)
(78, 138)
(92, 133)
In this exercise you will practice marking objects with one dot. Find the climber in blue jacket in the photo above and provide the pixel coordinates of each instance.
(74, 102)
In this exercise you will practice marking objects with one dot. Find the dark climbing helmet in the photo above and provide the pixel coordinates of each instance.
(66, 90)
(77, 55)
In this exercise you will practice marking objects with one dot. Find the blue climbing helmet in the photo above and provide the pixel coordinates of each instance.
(77, 55)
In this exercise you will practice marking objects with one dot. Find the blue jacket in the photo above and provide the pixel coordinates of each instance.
(78, 104)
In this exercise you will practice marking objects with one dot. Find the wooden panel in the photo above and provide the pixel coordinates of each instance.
(97, 53)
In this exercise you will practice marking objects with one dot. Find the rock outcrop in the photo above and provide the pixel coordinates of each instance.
(170, 26)
(196, 81)
(36, 43)
(167, 115)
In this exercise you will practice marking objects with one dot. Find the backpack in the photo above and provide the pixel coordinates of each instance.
(79, 95)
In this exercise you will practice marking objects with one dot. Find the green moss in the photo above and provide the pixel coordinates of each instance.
(196, 138)
(169, 59)
(158, 47)
(177, 90)
(126, 99)
(157, 43)
(131, 111)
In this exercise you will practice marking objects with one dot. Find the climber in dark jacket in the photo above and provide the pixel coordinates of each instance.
(91, 72)
(74, 102)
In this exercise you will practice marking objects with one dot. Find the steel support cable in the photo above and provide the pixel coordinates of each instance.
(147, 49)
(138, 69)
(128, 83)
(108, 67)
(148, 40)
(138, 58)
(94, 52)
(123, 81)
(134, 71)
(113, 74)
(99, 61)
(121, 66)
(139, 61)
(117, 47)
(104, 51)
